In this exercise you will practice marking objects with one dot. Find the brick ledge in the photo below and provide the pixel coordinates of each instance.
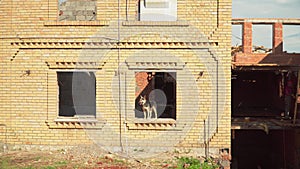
(76, 23)
(155, 23)
(153, 124)
(75, 123)
(99, 45)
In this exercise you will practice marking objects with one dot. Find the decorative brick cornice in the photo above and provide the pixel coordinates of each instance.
(155, 23)
(105, 45)
(153, 62)
(74, 65)
(75, 124)
(166, 65)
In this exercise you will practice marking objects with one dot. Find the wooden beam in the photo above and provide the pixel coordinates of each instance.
(296, 99)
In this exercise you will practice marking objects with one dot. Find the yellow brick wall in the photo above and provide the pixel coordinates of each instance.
(32, 40)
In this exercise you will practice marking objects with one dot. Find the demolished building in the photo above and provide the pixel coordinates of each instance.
(261, 136)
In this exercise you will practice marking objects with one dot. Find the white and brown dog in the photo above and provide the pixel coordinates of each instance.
(147, 107)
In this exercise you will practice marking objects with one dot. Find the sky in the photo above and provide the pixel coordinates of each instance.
(262, 35)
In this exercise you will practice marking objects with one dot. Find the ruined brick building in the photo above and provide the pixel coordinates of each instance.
(72, 72)
(260, 76)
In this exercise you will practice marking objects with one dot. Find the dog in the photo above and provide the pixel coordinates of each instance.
(147, 107)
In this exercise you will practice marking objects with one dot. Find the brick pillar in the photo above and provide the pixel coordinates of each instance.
(277, 38)
(247, 37)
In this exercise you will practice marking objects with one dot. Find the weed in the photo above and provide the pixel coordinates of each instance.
(49, 167)
(57, 164)
(60, 163)
(176, 151)
(4, 163)
(138, 150)
(118, 161)
(37, 158)
(29, 167)
(192, 163)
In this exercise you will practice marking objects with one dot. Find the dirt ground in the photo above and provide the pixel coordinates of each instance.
(82, 157)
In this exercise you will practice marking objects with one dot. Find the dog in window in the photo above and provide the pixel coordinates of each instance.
(148, 107)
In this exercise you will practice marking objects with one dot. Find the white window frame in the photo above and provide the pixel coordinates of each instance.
(158, 10)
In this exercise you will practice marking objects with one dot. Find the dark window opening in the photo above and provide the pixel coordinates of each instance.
(77, 93)
(253, 149)
(260, 93)
(159, 89)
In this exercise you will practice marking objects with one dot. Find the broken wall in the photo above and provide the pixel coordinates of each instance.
(77, 10)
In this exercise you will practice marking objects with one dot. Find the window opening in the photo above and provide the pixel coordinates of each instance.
(291, 38)
(262, 38)
(157, 10)
(77, 94)
(236, 35)
(77, 10)
(261, 93)
(158, 90)
(236, 39)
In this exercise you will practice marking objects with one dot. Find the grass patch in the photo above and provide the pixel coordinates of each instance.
(192, 163)
(37, 158)
(33, 163)
(30, 167)
(57, 164)
(49, 167)
(4, 163)
(60, 163)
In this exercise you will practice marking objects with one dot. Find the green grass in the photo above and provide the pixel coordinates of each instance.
(60, 163)
(6, 163)
(56, 165)
(49, 167)
(30, 167)
(192, 163)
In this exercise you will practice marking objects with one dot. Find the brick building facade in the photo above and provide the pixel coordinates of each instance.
(72, 73)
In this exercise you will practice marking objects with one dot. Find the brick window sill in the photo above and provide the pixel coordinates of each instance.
(76, 23)
(75, 123)
(76, 119)
(155, 23)
(152, 124)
